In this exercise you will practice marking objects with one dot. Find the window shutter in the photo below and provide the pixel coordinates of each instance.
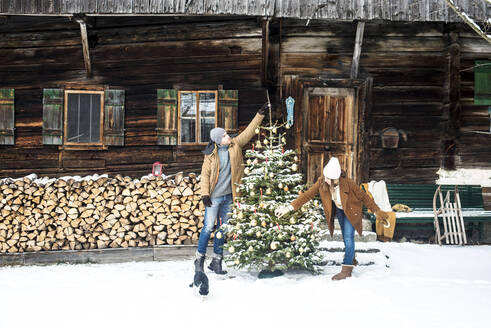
(228, 104)
(53, 116)
(166, 117)
(482, 82)
(6, 116)
(114, 117)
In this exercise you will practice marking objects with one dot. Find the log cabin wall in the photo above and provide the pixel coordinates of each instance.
(414, 89)
(136, 54)
(473, 142)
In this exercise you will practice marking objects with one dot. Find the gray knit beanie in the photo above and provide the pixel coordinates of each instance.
(217, 134)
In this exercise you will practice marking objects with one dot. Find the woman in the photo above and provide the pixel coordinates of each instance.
(341, 197)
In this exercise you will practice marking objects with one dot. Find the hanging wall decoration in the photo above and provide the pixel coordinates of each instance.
(290, 102)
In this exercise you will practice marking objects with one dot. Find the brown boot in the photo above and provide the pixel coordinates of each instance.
(345, 272)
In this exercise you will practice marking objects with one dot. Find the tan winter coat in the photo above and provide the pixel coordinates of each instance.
(211, 164)
(352, 198)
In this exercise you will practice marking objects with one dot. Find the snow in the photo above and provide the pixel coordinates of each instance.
(423, 286)
(465, 177)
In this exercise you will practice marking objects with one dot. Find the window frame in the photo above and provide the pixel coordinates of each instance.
(65, 118)
(198, 127)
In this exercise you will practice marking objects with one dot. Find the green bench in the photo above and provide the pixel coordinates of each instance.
(419, 197)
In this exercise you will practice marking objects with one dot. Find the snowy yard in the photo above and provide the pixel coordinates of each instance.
(423, 286)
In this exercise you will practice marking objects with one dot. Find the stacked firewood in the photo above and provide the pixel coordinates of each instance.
(105, 212)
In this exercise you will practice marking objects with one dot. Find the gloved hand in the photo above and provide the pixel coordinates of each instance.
(382, 216)
(207, 201)
(282, 210)
(263, 109)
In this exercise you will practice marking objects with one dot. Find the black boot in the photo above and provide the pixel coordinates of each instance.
(199, 263)
(216, 265)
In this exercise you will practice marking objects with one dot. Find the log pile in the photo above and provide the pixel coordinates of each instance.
(106, 212)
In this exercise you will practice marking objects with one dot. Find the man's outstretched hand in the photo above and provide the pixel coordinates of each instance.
(263, 108)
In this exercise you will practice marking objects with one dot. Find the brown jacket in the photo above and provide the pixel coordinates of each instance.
(211, 164)
(352, 198)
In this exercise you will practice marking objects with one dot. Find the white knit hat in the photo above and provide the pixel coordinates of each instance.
(332, 170)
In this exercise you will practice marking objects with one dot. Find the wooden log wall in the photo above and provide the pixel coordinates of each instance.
(473, 145)
(136, 54)
(410, 66)
(99, 213)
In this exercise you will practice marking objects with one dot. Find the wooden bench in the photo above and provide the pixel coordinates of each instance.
(419, 197)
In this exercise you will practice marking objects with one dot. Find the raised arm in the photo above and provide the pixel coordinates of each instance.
(245, 136)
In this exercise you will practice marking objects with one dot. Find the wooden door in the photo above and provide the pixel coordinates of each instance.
(330, 130)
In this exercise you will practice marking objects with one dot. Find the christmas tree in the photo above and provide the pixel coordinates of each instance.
(256, 237)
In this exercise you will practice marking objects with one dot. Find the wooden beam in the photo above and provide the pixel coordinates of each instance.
(85, 46)
(265, 51)
(360, 28)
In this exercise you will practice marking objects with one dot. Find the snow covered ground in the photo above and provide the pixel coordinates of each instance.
(416, 286)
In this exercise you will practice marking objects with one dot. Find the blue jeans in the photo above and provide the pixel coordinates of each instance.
(348, 237)
(217, 212)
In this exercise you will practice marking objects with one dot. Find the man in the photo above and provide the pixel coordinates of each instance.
(221, 173)
(341, 197)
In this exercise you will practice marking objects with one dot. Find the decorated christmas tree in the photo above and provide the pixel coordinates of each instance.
(256, 237)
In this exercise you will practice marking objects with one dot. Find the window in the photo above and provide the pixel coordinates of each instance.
(83, 117)
(197, 116)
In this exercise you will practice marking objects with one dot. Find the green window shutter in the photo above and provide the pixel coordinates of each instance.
(114, 117)
(7, 116)
(482, 82)
(166, 117)
(228, 105)
(53, 116)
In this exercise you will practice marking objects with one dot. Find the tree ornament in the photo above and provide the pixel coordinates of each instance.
(231, 249)
(261, 205)
(304, 209)
(263, 224)
(266, 141)
(280, 185)
(237, 262)
(249, 161)
(287, 126)
(256, 131)
(280, 162)
(271, 174)
(285, 188)
(258, 144)
(283, 140)
(253, 222)
(293, 238)
(294, 167)
(219, 235)
(275, 130)
(240, 215)
(316, 203)
(255, 161)
(237, 189)
(300, 250)
(252, 193)
(250, 186)
(258, 234)
(268, 191)
(247, 171)
(288, 254)
(250, 249)
(274, 245)
(292, 220)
